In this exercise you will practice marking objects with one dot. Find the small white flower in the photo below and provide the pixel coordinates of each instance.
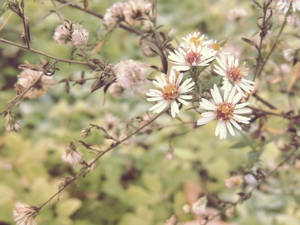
(284, 5)
(193, 39)
(72, 156)
(24, 214)
(185, 58)
(233, 74)
(170, 93)
(226, 110)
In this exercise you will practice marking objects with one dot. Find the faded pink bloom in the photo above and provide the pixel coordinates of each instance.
(136, 11)
(72, 156)
(28, 77)
(80, 36)
(24, 214)
(234, 181)
(63, 33)
(110, 123)
(237, 14)
(114, 15)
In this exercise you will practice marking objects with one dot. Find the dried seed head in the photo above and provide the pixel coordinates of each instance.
(24, 214)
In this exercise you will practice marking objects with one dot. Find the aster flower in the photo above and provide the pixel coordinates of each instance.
(284, 5)
(226, 109)
(233, 74)
(80, 36)
(28, 77)
(71, 155)
(24, 214)
(186, 58)
(114, 15)
(170, 92)
(193, 39)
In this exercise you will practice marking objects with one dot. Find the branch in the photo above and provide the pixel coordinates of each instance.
(87, 169)
(45, 54)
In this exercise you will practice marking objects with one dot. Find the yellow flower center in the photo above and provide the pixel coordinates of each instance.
(170, 92)
(225, 111)
(216, 46)
(196, 40)
(235, 74)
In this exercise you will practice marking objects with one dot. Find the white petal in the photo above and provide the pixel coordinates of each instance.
(207, 105)
(230, 128)
(205, 120)
(174, 109)
(242, 111)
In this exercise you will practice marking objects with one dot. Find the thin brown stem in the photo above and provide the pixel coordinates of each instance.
(98, 156)
(44, 54)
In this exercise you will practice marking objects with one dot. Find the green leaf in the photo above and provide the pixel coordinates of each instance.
(68, 207)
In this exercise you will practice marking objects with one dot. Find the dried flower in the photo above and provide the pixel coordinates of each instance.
(237, 14)
(171, 92)
(131, 73)
(24, 214)
(11, 125)
(71, 155)
(63, 33)
(226, 110)
(284, 5)
(114, 15)
(234, 181)
(85, 132)
(233, 74)
(135, 11)
(80, 36)
(29, 77)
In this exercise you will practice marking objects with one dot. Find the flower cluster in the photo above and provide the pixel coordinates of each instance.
(40, 83)
(196, 51)
(71, 33)
(132, 12)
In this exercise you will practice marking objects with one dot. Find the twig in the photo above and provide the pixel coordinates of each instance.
(45, 54)
(98, 156)
(19, 97)
(263, 101)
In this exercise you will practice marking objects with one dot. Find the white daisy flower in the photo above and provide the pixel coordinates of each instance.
(233, 74)
(195, 39)
(227, 110)
(284, 5)
(170, 92)
(185, 58)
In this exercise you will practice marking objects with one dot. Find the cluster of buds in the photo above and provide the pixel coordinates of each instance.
(35, 83)
(69, 32)
(133, 12)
